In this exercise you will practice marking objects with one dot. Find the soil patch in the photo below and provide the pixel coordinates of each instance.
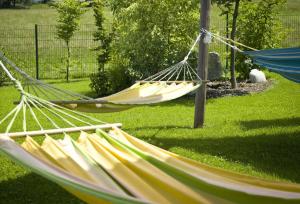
(216, 89)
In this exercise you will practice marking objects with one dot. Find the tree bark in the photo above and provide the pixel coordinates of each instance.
(232, 51)
(200, 99)
(68, 61)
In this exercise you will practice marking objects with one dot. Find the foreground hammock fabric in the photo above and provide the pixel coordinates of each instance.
(115, 167)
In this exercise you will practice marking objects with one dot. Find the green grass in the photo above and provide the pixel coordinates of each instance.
(257, 134)
(17, 39)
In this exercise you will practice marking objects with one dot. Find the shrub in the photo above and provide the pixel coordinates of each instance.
(113, 78)
(151, 35)
(259, 27)
(3, 77)
(100, 83)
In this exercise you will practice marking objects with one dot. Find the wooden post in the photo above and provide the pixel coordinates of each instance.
(200, 99)
(36, 51)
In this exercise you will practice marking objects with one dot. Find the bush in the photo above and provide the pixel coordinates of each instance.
(151, 35)
(100, 83)
(259, 27)
(3, 77)
(112, 79)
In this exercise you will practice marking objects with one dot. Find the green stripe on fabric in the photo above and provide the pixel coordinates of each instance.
(64, 182)
(195, 183)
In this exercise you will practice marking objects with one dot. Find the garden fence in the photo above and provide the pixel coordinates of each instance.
(40, 53)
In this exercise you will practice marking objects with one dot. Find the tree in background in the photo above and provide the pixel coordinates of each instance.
(254, 24)
(260, 28)
(100, 81)
(69, 12)
(150, 36)
(231, 7)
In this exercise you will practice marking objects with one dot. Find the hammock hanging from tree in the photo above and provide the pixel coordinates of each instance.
(171, 83)
(284, 61)
(113, 167)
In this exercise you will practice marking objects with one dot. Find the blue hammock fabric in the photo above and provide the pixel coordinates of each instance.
(284, 61)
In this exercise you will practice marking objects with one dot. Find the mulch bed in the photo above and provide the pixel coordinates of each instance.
(216, 89)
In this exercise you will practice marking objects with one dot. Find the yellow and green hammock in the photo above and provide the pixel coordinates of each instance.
(114, 167)
(168, 84)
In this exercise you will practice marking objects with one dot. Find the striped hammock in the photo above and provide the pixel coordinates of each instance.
(285, 62)
(115, 167)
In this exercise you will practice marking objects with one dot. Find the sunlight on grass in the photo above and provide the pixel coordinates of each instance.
(257, 134)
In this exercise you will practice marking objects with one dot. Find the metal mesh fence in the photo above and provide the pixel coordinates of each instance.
(292, 24)
(18, 43)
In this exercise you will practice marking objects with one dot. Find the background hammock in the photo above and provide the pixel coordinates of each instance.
(284, 61)
(171, 83)
(114, 167)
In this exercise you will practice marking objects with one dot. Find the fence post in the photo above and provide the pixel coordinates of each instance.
(36, 50)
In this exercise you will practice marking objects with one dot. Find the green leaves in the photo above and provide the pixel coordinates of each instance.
(259, 27)
(154, 34)
(69, 12)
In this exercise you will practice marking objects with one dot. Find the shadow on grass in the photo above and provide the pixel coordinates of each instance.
(274, 154)
(34, 189)
(282, 122)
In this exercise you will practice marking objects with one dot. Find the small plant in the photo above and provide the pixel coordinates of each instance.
(69, 12)
(260, 28)
(2, 77)
(100, 81)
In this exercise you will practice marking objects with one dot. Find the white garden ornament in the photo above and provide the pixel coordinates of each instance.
(257, 76)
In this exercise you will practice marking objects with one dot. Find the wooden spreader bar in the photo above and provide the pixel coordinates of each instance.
(168, 82)
(62, 130)
(66, 102)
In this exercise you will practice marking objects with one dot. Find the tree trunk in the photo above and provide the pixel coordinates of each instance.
(200, 99)
(68, 61)
(232, 51)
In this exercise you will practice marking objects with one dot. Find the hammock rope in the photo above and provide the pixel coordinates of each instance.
(225, 40)
(45, 108)
(165, 85)
(284, 61)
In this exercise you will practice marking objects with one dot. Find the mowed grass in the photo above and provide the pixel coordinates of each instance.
(257, 134)
(17, 40)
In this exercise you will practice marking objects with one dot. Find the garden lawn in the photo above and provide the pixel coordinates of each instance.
(257, 134)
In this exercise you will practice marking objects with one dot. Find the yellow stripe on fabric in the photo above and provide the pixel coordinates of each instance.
(35, 149)
(132, 182)
(197, 168)
(170, 188)
(160, 92)
(89, 165)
